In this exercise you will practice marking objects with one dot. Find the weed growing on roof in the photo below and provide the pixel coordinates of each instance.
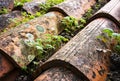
(3, 11)
(48, 4)
(111, 39)
(45, 45)
(26, 16)
(20, 2)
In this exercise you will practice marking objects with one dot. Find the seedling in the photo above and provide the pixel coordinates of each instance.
(70, 24)
(111, 39)
(3, 11)
(20, 2)
(48, 4)
(26, 16)
(89, 13)
(44, 45)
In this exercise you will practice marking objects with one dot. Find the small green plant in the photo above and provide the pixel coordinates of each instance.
(112, 39)
(24, 68)
(3, 11)
(20, 2)
(45, 45)
(97, 6)
(48, 4)
(42, 48)
(70, 24)
(38, 14)
(26, 16)
(82, 23)
(88, 14)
